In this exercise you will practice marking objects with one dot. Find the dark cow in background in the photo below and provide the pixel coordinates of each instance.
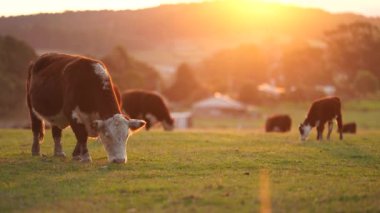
(349, 128)
(278, 123)
(75, 91)
(148, 106)
(322, 111)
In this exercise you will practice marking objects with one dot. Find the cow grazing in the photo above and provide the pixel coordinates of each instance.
(148, 106)
(322, 111)
(278, 123)
(76, 91)
(349, 128)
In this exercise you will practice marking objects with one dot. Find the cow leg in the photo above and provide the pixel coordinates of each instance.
(76, 152)
(38, 133)
(148, 124)
(80, 152)
(340, 125)
(57, 135)
(330, 126)
(320, 129)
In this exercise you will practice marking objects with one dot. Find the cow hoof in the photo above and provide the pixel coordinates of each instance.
(36, 154)
(76, 158)
(85, 158)
(89, 160)
(36, 149)
(60, 154)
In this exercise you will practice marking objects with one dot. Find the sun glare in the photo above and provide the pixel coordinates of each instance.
(24, 7)
(246, 9)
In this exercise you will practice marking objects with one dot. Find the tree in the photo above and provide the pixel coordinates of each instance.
(186, 88)
(303, 66)
(227, 69)
(249, 94)
(366, 82)
(353, 47)
(129, 73)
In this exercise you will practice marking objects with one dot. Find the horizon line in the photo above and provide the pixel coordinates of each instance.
(57, 12)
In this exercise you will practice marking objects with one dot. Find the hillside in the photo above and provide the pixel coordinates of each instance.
(15, 56)
(170, 34)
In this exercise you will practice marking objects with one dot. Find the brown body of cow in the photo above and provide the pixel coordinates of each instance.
(76, 91)
(349, 128)
(322, 111)
(278, 123)
(148, 106)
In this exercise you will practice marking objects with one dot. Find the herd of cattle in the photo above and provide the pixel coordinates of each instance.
(322, 111)
(76, 91)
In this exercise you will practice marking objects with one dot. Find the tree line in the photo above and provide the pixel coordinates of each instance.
(346, 57)
(16, 55)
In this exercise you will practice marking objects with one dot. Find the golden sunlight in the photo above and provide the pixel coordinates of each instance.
(248, 9)
(24, 7)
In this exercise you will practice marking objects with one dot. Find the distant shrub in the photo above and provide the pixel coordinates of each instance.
(365, 82)
(15, 56)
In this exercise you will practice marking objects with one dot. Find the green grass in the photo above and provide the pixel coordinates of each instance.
(215, 167)
(196, 171)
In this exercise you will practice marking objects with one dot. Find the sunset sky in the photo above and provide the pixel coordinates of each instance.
(22, 7)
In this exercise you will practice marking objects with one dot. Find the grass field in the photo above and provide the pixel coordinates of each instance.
(209, 170)
(195, 171)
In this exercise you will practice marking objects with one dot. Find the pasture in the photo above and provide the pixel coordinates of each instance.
(204, 169)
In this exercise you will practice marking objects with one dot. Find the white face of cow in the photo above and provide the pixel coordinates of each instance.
(305, 130)
(114, 133)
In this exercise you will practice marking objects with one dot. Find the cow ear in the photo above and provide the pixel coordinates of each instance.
(135, 124)
(97, 125)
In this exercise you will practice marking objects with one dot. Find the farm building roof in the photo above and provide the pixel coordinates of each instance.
(219, 101)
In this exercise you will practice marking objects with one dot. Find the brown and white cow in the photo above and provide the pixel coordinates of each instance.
(76, 91)
(322, 111)
(149, 106)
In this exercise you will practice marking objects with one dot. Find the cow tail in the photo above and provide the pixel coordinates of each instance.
(37, 124)
(30, 68)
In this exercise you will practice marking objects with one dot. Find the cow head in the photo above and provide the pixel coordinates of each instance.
(114, 133)
(168, 124)
(305, 130)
